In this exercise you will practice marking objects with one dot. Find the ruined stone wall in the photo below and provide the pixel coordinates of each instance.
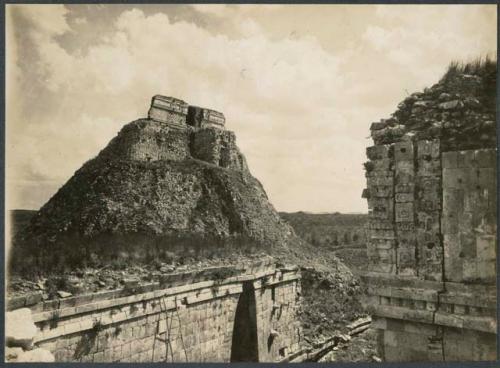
(432, 250)
(154, 144)
(202, 118)
(217, 147)
(196, 312)
(148, 140)
(171, 133)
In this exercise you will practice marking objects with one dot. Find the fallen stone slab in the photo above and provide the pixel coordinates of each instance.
(359, 322)
(64, 294)
(20, 328)
(449, 105)
(344, 338)
(359, 330)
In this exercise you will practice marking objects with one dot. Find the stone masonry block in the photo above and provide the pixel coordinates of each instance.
(404, 197)
(467, 244)
(485, 158)
(486, 177)
(381, 165)
(404, 212)
(428, 204)
(404, 176)
(202, 117)
(428, 149)
(403, 151)
(453, 269)
(453, 201)
(454, 178)
(428, 221)
(406, 238)
(384, 191)
(465, 158)
(449, 223)
(377, 152)
(431, 168)
(405, 226)
(379, 224)
(486, 247)
(449, 160)
(429, 184)
(470, 272)
(486, 270)
(168, 110)
(404, 168)
(406, 187)
(383, 180)
(406, 257)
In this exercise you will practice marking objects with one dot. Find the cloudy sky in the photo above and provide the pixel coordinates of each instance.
(298, 84)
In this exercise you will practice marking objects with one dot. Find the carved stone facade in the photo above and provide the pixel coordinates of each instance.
(432, 250)
(168, 110)
(199, 117)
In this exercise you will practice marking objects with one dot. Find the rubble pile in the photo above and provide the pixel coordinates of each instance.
(112, 276)
(331, 300)
(459, 110)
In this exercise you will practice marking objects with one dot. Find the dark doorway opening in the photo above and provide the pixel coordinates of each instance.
(224, 156)
(244, 346)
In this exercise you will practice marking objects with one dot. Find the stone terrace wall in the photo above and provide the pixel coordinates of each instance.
(197, 311)
(432, 251)
(149, 140)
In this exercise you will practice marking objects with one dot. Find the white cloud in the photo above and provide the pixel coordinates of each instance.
(80, 21)
(49, 19)
(301, 113)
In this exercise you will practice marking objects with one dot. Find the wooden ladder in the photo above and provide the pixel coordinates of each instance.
(168, 338)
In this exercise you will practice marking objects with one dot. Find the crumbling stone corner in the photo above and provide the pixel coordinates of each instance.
(432, 250)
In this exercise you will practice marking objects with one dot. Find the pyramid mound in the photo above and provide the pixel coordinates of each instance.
(174, 182)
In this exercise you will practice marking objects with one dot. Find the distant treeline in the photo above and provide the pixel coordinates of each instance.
(329, 230)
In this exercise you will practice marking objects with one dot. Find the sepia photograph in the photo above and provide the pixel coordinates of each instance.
(275, 183)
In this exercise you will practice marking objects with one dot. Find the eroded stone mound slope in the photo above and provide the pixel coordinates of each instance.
(175, 182)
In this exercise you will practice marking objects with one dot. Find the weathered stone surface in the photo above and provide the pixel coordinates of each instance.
(19, 328)
(35, 356)
(454, 104)
(206, 320)
(459, 117)
(204, 118)
(12, 354)
(168, 110)
(444, 225)
(149, 141)
(63, 294)
(218, 148)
